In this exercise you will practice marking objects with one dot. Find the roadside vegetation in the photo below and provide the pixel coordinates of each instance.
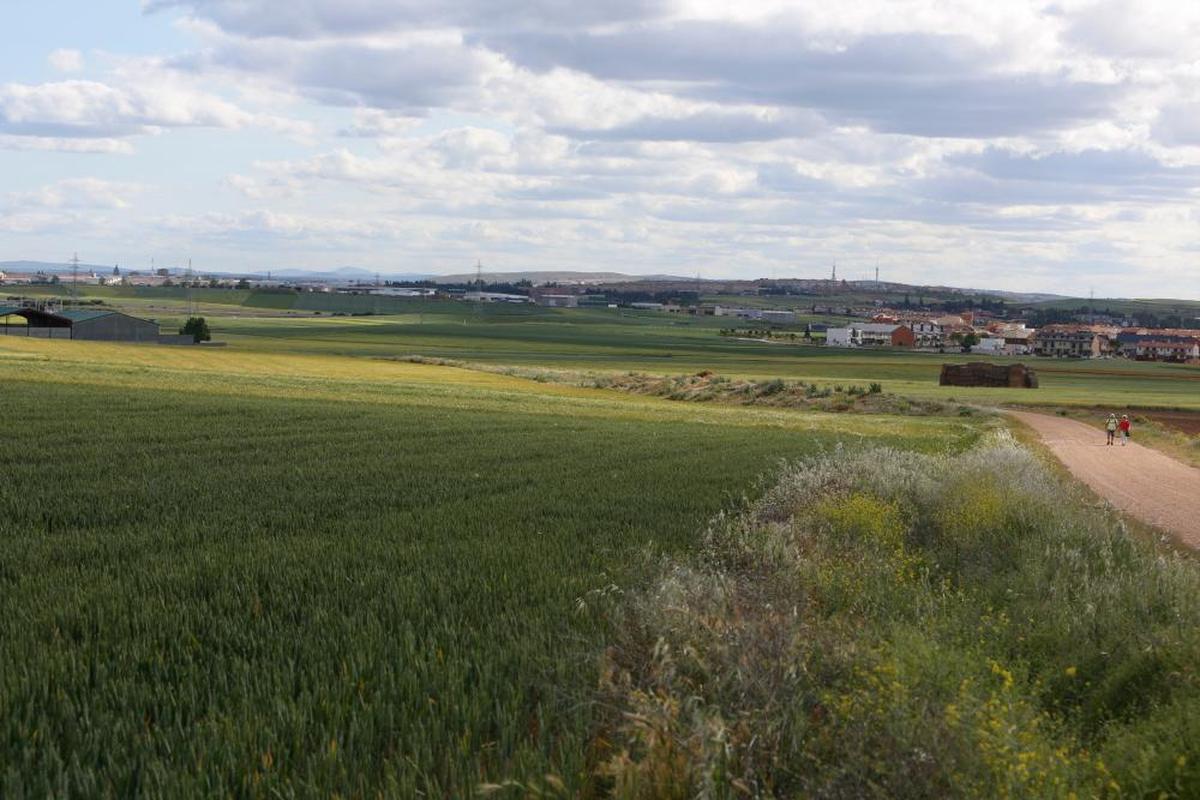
(706, 386)
(881, 624)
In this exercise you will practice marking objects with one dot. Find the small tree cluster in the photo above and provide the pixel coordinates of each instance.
(198, 328)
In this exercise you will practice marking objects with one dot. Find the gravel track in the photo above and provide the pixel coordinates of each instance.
(1140, 481)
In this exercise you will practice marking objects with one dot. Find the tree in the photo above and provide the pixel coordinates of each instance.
(968, 341)
(243, 284)
(198, 328)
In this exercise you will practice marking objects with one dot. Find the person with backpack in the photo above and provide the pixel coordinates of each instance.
(1110, 427)
(1125, 427)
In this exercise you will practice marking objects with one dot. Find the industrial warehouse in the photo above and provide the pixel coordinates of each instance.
(95, 325)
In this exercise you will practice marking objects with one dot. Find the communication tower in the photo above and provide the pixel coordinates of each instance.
(75, 279)
(187, 280)
(478, 288)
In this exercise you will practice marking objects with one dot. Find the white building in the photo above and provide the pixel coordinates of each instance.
(928, 333)
(1018, 340)
(558, 300)
(991, 345)
(494, 297)
(843, 337)
(778, 315)
(732, 311)
(402, 291)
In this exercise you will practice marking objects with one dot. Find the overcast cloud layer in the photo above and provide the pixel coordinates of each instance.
(1029, 146)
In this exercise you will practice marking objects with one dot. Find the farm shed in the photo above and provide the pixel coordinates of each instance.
(96, 325)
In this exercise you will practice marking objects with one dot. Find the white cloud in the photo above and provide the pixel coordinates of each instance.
(370, 123)
(65, 145)
(66, 60)
(321, 18)
(95, 110)
(88, 193)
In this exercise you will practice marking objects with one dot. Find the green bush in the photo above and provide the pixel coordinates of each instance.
(197, 327)
(772, 387)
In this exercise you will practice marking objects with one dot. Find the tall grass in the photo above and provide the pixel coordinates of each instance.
(885, 624)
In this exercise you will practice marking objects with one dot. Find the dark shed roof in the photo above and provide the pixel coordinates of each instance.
(37, 318)
(58, 319)
(82, 315)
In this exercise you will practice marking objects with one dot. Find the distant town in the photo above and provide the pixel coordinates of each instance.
(826, 311)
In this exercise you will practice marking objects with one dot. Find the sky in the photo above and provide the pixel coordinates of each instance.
(1028, 146)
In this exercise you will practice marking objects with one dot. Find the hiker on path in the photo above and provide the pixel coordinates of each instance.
(1110, 427)
(1125, 429)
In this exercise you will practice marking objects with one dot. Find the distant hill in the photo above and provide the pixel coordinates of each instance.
(847, 291)
(888, 287)
(338, 274)
(556, 276)
(344, 274)
(50, 267)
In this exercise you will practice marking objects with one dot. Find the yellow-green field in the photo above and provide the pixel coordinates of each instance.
(607, 340)
(235, 571)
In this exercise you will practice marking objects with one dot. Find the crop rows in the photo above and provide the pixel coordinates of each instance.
(207, 593)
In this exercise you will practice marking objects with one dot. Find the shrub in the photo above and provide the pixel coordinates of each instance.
(884, 623)
(771, 387)
(197, 327)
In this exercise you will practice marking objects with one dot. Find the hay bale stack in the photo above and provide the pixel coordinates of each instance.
(979, 373)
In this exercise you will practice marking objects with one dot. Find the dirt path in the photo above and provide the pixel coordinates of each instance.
(1142, 482)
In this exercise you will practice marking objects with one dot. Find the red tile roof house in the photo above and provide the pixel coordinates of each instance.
(1073, 341)
(1163, 350)
(888, 335)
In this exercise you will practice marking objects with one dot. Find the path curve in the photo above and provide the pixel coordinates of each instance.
(1140, 481)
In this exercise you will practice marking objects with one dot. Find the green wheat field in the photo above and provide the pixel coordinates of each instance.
(302, 566)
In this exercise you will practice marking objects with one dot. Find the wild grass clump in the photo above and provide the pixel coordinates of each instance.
(705, 386)
(888, 624)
